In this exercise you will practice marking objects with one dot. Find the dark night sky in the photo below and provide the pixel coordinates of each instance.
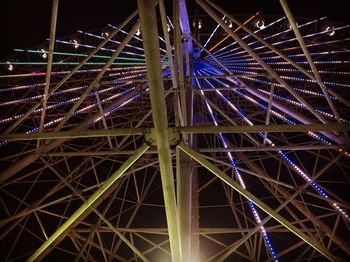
(24, 24)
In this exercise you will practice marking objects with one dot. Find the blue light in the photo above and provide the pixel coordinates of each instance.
(282, 154)
(238, 175)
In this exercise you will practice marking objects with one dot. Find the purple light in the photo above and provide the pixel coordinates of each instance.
(287, 159)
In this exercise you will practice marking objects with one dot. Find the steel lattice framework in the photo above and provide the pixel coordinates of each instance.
(177, 137)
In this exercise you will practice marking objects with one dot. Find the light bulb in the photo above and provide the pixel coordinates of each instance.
(10, 66)
(44, 53)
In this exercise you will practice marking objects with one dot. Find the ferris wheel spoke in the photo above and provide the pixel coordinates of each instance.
(264, 107)
(290, 162)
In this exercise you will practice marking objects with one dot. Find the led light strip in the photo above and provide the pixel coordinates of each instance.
(279, 85)
(78, 88)
(287, 41)
(241, 181)
(284, 41)
(276, 57)
(301, 105)
(100, 91)
(212, 34)
(233, 67)
(94, 47)
(245, 37)
(84, 109)
(266, 38)
(34, 130)
(15, 88)
(290, 48)
(288, 160)
(140, 39)
(112, 41)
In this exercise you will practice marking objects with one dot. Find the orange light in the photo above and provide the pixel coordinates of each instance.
(222, 40)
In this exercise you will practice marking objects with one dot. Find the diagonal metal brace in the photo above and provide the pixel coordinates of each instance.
(229, 181)
(58, 235)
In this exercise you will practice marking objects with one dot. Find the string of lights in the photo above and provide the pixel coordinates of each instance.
(298, 170)
(239, 176)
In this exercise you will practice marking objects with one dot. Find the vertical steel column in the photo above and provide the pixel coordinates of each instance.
(154, 73)
(184, 167)
(179, 61)
(184, 185)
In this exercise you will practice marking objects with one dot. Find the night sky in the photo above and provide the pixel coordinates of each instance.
(25, 24)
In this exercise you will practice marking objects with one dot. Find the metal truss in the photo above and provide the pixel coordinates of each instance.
(178, 137)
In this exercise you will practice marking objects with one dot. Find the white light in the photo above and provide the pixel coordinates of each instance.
(10, 66)
(75, 43)
(229, 23)
(168, 27)
(105, 34)
(330, 30)
(290, 26)
(197, 24)
(44, 53)
(260, 24)
(138, 32)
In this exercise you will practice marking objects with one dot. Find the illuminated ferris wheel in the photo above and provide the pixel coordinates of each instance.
(178, 137)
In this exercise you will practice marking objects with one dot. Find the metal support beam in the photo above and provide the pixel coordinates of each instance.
(300, 117)
(154, 73)
(168, 45)
(183, 130)
(278, 105)
(259, 128)
(308, 57)
(30, 158)
(274, 49)
(72, 72)
(261, 62)
(184, 167)
(184, 23)
(101, 215)
(294, 147)
(300, 206)
(95, 82)
(49, 62)
(58, 235)
(180, 103)
(229, 181)
(74, 134)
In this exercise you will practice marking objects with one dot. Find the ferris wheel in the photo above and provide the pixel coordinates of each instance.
(176, 136)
